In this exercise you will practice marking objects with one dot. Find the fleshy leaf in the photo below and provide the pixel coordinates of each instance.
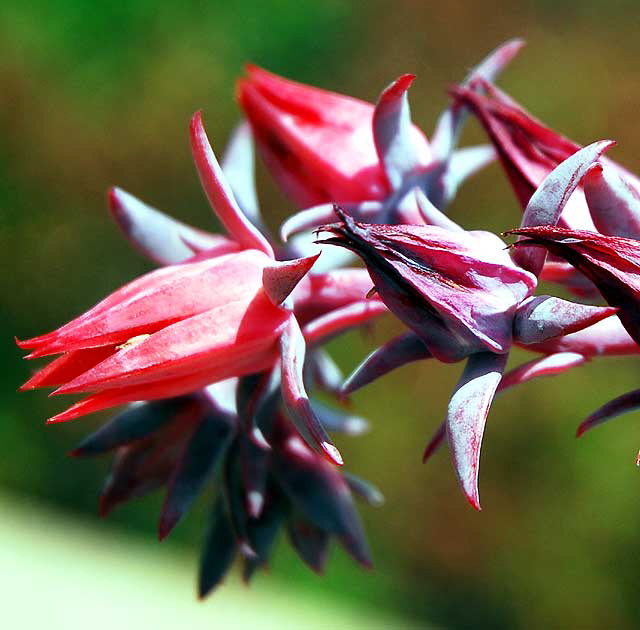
(364, 490)
(435, 442)
(463, 164)
(392, 132)
(315, 216)
(342, 319)
(616, 407)
(280, 278)
(544, 366)
(218, 551)
(219, 193)
(467, 415)
(339, 421)
(398, 351)
(320, 492)
(159, 237)
(138, 421)
(449, 125)
(431, 215)
(295, 397)
(311, 543)
(200, 456)
(262, 535)
(547, 203)
(544, 317)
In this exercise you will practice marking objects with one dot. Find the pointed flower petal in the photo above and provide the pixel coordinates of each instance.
(238, 166)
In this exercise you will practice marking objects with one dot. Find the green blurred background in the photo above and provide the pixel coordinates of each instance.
(100, 93)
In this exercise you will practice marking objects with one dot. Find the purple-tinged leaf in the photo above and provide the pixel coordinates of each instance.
(311, 543)
(338, 421)
(547, 203)
(262, 535)
(322, 495)
(238, 166)
(614, 203)
(201, 453)
(124, 482)
(234, 501)
(357, 547)
(295, 396)
(396, 352)
(449, 125)
(364, 490)
(255, 469)
(544, 317)
(393, 133)
(218, 551)
(159, 237)
(435, 442)
(138, 421)
(219, 193)
(467, 415)
(431, 215)
(281, 278)
(544, 366)
(616, 407)
(342, 319)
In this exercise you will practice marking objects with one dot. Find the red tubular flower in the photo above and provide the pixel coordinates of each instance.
(317, 144)
(224, 311)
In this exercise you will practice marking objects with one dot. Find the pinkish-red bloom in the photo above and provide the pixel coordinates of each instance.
(223, 309)
(458, 291)
(318, 145)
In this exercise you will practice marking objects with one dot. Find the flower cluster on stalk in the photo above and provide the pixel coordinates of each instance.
(215, 352)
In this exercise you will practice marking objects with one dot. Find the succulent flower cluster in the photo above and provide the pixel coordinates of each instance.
(215, 352)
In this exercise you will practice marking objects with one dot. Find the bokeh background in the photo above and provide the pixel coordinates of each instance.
(100, 93)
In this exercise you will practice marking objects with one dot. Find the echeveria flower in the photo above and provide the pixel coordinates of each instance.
(214, 316)
(324, 147)
(318, 145)
(463, 295)
(457, 290)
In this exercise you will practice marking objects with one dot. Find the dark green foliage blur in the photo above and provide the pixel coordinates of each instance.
(100, 93)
